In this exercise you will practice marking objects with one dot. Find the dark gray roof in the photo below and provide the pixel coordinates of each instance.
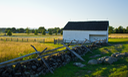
(88, 25)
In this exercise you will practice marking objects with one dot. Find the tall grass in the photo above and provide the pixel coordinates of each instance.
(10, 50)
(118, 35)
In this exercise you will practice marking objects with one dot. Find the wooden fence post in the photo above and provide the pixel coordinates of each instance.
(58, 41)
(42, 58)
(77, 55)
(43, 40)
(55, 41)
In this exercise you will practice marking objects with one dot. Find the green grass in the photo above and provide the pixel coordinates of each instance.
(117, 69)
(118, 40)
(31, 35)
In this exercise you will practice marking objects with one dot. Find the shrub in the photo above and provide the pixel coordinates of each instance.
(36, 32)
(50, 32)
(9, 33)
(43, 32)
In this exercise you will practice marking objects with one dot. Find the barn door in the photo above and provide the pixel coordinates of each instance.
(99, 37)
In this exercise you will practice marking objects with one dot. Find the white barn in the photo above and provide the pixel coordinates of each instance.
(89, 30)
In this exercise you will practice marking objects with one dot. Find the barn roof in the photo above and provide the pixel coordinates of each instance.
(88, 25)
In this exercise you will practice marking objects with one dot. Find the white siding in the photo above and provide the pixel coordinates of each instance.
(97, 37)
(69, 35)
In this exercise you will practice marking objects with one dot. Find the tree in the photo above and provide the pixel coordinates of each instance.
(9, 33)
(40, 29)
(50, 32)
(6, 30)
(127, 29)
(116, 30)
(111, 30)
(13, 29)
(56, 32)
(124, 30)
(27, 31)
(120, 29)
(21, 30)
(36, 32)
(43, 32)
(61, 32)
(33, 30)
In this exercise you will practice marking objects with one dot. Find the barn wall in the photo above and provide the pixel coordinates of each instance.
(69, 35)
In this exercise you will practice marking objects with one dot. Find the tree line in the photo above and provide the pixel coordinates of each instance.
(41, 30)
(119, 29)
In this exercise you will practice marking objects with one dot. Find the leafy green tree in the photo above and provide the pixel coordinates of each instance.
(36, 32)
(32, 30)
(9, 33)
(50, 32)
(21, 30)
(116, 30)
(6, 30)
(43, 32)
(40, 29)
(61, 32)
(120, 29)
(13, 29)
(111, 29)
(127, 29)
(56, 32)
(27, 31)
(124, 30)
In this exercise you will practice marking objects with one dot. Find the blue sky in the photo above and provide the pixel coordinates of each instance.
(56, 13)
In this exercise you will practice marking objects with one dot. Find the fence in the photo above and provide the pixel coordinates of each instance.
(35, 66)
(41, 40)
(41, 64)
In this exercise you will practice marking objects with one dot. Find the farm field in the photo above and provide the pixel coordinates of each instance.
(13, 49)
(118, 35)
(31, 35)
(10, 50)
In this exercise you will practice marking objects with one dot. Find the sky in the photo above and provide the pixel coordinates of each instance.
(56, 13)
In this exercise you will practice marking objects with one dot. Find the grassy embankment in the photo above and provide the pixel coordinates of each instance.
(117, 69)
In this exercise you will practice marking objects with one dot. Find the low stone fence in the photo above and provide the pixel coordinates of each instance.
(41, 64)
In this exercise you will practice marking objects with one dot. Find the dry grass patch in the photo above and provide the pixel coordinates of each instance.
(10, 50)
(118, 35)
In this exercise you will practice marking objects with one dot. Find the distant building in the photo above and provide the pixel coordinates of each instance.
(90, 30)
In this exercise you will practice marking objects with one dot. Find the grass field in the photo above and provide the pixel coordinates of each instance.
(118, 35)
(12, 49)
(117, 69)
(31, 35)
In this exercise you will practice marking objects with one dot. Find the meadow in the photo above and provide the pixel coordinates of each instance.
(13, 49)
(124, 35)
(117, 69)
